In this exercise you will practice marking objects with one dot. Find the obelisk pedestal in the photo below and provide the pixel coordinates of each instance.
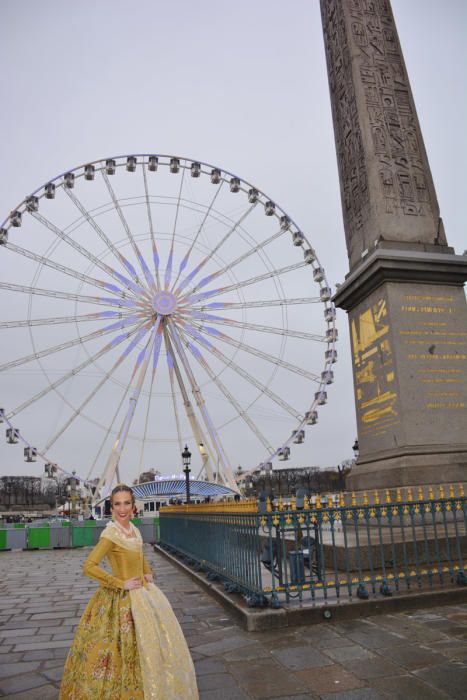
(404, 292)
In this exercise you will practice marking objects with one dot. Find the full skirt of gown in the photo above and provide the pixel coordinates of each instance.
(129, 646)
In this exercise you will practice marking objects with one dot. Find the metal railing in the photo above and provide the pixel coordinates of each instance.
(322, 552)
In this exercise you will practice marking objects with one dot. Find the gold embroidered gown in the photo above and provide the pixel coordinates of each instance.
(128, 644)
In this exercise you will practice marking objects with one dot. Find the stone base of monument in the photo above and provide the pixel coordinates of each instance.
(408, 327)
(410, 467)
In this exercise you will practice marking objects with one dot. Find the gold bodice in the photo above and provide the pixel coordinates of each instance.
(125, 557)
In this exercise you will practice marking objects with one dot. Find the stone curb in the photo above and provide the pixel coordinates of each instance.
(268, 619)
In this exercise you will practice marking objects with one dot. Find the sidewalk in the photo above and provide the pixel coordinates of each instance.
(421, 654)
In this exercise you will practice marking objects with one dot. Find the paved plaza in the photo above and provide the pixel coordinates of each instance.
(420, 654)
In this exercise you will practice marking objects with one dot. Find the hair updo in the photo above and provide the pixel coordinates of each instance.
(121, 487)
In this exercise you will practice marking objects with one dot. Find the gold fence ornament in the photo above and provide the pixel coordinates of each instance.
(376, 497)
(387, 495)
(451, 491)
(318, 501)
(409, 494)
(431, 495)
(342, 500)
(441, 491)
(398, 496)
(306, 503)
(421, 495)
(354, 498)
(365, 498)
(461, 490)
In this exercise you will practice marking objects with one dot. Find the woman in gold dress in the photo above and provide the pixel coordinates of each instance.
(128, 645)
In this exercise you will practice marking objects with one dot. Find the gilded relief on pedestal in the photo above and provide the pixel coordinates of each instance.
(374, 374)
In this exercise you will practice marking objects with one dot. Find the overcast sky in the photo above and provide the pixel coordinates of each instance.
(241, 85)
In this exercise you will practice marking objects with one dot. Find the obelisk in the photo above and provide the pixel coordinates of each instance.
(404, 291)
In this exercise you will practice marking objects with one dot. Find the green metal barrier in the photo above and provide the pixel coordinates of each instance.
(39, 537)
(81, 536)
(3, 534)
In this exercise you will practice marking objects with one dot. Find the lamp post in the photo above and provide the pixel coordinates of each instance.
(186, 457)
(355, 448)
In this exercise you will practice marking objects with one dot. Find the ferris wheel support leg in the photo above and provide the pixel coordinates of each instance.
(227, 471)
(114, 459)
(203, 444)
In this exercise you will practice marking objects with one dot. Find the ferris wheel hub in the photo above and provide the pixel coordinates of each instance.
(164, 303)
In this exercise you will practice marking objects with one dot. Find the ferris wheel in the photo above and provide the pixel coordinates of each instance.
(153, 301)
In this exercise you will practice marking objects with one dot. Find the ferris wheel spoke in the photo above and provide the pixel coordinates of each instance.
(212, 432)
(47, 262)
(237, 261)
(196, 330)
(65, 346)
(192, 298)
(256, 304)
(97, 388)
(109, 429)
(58, 320)
(132, 241)
(169, 266)
(229, 396)
(87, 254)
(155, 252)
(186, 258)
(249, 378)
(52, 293)
(156, 353)
(213, 252)
(104, 238)
(76, 370)
(207, 452)
(220, 320)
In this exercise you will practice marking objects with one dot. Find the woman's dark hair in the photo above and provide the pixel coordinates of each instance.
(121, 487)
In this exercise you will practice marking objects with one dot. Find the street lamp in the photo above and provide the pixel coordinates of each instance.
(355, 448)
(186, 457)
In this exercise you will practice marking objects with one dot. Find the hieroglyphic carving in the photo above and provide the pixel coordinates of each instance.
(383, 168)
(390, 114)
(349, 143)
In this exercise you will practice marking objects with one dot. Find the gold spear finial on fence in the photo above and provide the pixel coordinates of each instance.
(421, 495)
(342, 500)
(387, 494)
(329, 501)
(306, 503)
(461, 490)
(268, 505)
(409, 494)
(293, 503)
(354, 499)
(451, 491)
(441, 491)
(376, 497)
(431, 495)
(318, 501)
(365, 498)
(281, 503)
(398, 496)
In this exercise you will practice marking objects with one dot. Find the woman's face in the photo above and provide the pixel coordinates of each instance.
(122, 507)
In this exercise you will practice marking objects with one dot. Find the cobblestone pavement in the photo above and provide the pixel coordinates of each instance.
(420, 654)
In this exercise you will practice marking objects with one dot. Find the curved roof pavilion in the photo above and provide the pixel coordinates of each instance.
(176, 487)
